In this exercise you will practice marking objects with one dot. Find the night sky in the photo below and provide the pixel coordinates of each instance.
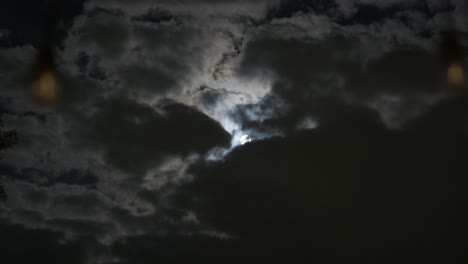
(222, 131)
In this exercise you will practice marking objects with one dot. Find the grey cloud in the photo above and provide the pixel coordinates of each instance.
(106, 32)
(135, 137)
(350, 7)
(50, 152)
(111, 156)
(41, 246)
(359, 64)
(52, 207)
(191, 8)
(146, 60)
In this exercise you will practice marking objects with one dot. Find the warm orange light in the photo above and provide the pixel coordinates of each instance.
(456, 75)
(45, 88)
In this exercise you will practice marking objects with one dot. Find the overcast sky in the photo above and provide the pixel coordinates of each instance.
(248, 131)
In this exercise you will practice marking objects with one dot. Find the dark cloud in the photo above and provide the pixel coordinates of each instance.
(402, 71)
(339, 64)
(394, 73)
(107, 31)
(445, 118)
(155, 16)
(285, 9)
(361, 194)
(25, 21)
(42, 246)
(77, 177)
(180, 249)
(135, 136)
(355, 150)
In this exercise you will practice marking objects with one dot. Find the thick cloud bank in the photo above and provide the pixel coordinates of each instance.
(235, 131)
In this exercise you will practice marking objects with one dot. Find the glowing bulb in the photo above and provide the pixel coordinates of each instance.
(456, 74)
(45, 88)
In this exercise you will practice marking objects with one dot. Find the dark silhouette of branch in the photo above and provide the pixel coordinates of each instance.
(7, 140)
(3, 195)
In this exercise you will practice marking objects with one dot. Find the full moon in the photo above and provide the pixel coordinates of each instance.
(245, 139)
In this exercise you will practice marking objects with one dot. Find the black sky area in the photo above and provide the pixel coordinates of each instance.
(248, 131)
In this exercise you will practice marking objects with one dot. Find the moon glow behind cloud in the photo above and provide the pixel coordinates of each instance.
(250, 131)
